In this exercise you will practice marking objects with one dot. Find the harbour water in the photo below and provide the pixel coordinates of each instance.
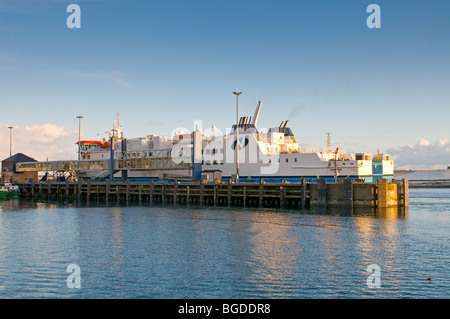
(217, 252)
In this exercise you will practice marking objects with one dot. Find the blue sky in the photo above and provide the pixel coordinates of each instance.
(163, 64)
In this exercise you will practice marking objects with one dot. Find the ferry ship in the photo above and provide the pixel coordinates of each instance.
(271, 155)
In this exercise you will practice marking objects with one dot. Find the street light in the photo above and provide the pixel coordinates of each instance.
(79, 117)
(236, 149)
(10, 140)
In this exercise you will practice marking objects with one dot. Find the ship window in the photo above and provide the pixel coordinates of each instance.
(367, 157)
(359, 157)
(89, 156)
(295, 159)
(270, 161)
(287, 160)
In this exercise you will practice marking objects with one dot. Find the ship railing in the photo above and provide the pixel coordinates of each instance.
(62, 166)
(154, 153)
(159, 163)
(159, 159)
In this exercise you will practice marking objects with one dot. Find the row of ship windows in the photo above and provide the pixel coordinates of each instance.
(88, 156)
(261, 161)
(221, 161)
(213, 151)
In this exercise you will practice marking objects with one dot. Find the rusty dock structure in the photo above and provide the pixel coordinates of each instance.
(349, 194)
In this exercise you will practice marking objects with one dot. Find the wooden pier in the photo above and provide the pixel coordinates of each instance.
(280, 195)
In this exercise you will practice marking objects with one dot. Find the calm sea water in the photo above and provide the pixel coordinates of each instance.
(193, 252)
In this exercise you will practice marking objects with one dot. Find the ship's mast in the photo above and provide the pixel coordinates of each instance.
(116, 130)
(328, 142)
(118, 125)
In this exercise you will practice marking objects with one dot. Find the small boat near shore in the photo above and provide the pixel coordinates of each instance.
(9, 191)
(4, 193)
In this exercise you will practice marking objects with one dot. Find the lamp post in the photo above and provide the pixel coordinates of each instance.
(10, 140)
(236, 148)
(79, 117)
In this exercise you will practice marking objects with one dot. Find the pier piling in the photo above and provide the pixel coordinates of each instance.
(322, 192)
(299, 195)
(347, 194)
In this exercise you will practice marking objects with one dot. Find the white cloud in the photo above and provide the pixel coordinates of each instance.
(40, 141)
(423, 155)
(423, 142)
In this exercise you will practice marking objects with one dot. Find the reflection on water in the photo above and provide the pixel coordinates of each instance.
(386, 212)
(206, 252)
(117, 245)
(392, 213)
(273, 254)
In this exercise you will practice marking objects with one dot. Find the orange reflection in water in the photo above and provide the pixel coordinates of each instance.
(378, 243)
(274, 253)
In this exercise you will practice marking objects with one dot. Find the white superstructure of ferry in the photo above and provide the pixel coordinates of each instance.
(271, 155)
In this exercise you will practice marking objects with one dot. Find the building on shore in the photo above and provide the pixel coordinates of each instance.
(10, 174)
